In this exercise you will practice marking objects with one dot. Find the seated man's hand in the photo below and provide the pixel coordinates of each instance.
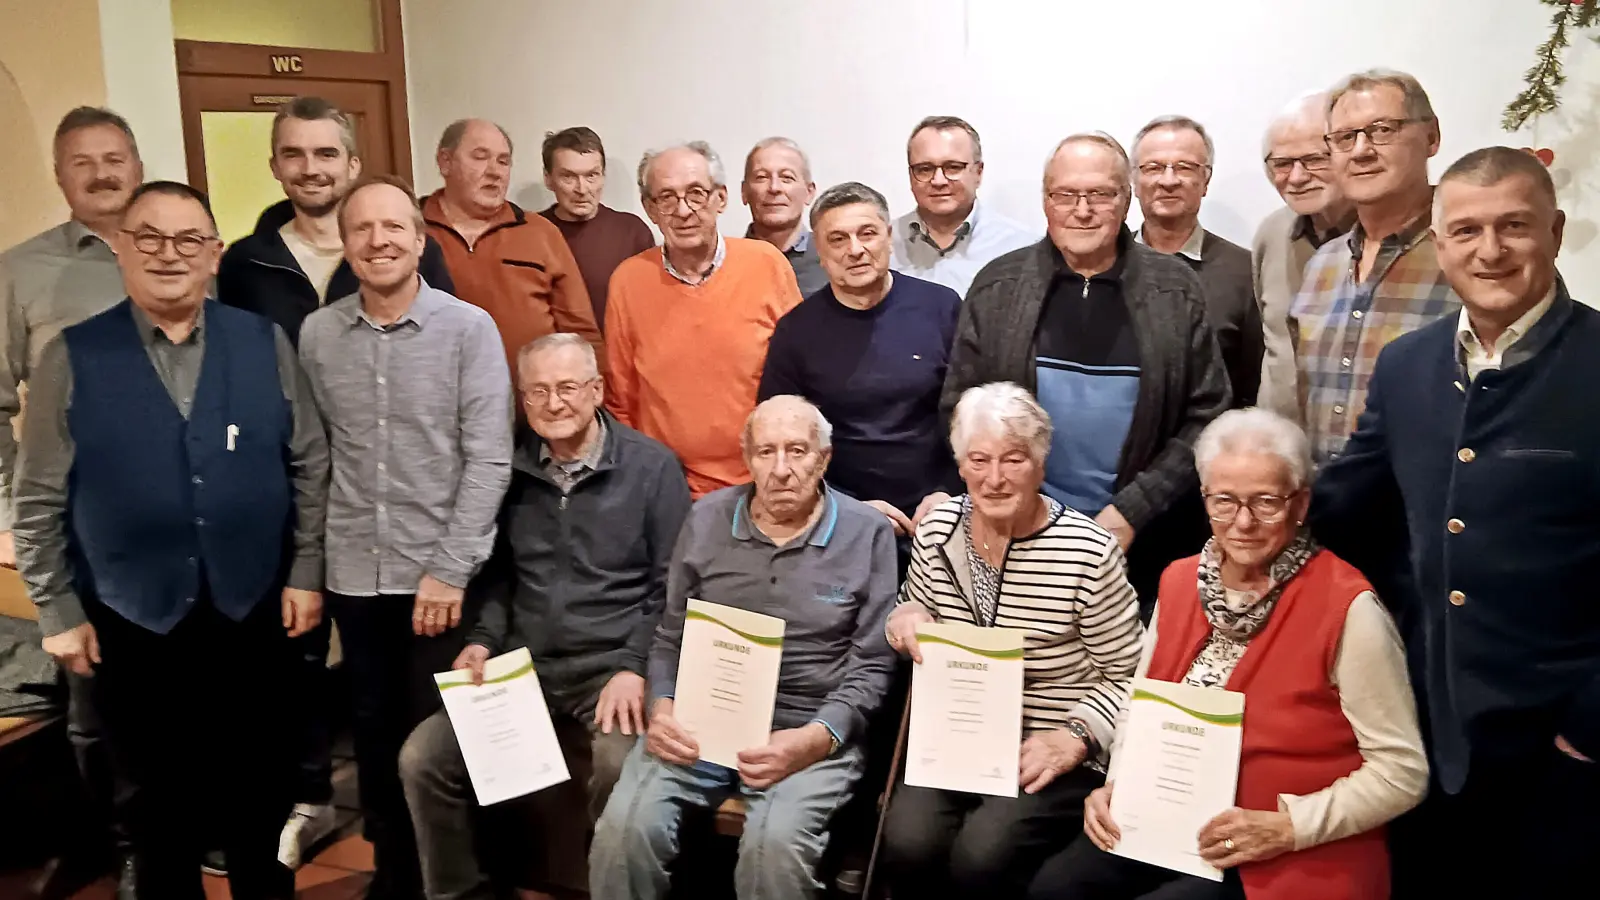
(897, 519)
(1097, 821)
(76, 649)
(1047, 755)
(437, 608)
(1111, 520)
(928, 503)
(786, 752)
(667, 740)
(902, 629)
(472, 657)
(621, 704)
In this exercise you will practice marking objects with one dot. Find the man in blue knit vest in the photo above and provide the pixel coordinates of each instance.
(1481, 428)
(170, 499)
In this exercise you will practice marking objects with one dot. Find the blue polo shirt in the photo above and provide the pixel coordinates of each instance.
(833, 585)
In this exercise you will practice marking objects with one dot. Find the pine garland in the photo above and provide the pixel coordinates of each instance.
(1545, 79)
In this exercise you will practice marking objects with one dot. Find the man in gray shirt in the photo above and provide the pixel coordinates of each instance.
(789, 547)
(414, 388)
(777, 187)
(170, 503)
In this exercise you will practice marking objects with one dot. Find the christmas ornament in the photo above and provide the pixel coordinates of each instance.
(1544, 154)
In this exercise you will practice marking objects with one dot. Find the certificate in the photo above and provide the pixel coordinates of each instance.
(727, 679)
(966, 710)
(504, 728)
(1177, 767)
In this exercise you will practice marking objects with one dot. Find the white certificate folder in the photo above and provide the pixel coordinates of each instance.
(966, 709)
(504, 728)
(1176, 768)
(727, 679)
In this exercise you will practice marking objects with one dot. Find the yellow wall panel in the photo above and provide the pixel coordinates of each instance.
(317, 24)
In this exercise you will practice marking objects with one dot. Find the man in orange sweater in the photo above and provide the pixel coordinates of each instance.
(688, 324)
(516, 267)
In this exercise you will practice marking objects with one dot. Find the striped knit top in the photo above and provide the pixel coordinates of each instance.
(1067, 588)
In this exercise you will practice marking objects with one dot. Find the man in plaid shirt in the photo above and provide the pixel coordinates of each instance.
(1383, 280)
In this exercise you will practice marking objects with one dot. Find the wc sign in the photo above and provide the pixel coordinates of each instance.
(288, 65)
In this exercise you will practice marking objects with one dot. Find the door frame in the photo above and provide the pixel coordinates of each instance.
(291, 64)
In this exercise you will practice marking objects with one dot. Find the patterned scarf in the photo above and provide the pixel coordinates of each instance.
(1241, 621)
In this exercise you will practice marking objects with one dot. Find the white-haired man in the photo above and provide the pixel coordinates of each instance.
(1315, 211)
(786, 546)
(777, 187)
(688, 324)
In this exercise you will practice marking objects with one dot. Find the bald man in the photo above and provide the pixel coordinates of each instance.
(516, 267)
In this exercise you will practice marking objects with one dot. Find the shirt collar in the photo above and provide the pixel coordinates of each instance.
(1516, 331)
(80, 235)
(963, 231)
(150, 332)
(590, 459)
(1305, 229)
(818, 535)
(1191, 246)
(429, 300)
(1404, 239)
(716, 263)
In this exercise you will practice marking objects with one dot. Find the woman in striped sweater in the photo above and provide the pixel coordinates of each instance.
(1005, 555)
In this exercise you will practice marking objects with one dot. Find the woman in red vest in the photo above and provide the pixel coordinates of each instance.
(1331, 748)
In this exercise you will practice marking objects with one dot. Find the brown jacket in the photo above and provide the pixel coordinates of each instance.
(522, 274)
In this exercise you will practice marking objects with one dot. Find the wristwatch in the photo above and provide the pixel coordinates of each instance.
(1077, 729)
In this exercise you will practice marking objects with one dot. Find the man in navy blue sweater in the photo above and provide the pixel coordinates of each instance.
(1481, 428)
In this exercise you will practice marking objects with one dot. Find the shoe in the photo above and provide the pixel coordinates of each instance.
(308, 824)
(127, 885)
(215, 864)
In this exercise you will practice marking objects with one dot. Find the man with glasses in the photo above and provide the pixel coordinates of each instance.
(688, 325)
(170, 503)
(948, 238)
(1112, 338)
(578, 576)
(777, 187)
(1384, 280)
(1315, 212)
(600, 237)
(1173, 158)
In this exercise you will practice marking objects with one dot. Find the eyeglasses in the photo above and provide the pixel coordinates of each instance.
(953, 171)
(1267, 509)
(567, 391)
(1099, 198)
(666, 202)
(188, 244)
(1311, 162)
(1186, 171)
(1383, 131)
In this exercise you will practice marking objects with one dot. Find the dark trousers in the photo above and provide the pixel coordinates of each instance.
(195, 720)
(313, 777)
(390, 671)
(1526, 826)
(107, 791)
(951, 844)
(1085, 872)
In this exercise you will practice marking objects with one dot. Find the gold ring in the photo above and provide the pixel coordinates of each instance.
(1228, 844)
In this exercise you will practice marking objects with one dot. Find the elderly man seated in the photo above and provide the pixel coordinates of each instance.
(583, 598)
(786, 546)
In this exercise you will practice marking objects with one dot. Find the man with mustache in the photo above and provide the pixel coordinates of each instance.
(777, 187)
(1384, 280)
(600, 237)
(1172, 160)
(514, 266)
(293, 263)
(1314, 213)
(414, 391)
(170, 499)
(290, 266)
(949, 237)
(53, 280)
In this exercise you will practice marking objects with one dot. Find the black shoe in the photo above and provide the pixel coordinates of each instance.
(215, 863)
(127, 884)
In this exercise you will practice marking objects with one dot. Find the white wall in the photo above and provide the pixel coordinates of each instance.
(142, 81)
(848, 79)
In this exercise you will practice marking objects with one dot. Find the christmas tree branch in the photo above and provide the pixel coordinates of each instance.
(1547, 76)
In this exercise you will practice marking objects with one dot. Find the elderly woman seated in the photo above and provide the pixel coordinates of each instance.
(1331, 747)
(1004, 555)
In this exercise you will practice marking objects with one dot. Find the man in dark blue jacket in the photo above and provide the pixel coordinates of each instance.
(170, 503)
(1481, 427)
(579, 577)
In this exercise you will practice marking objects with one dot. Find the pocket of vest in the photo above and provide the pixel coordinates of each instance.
(523, 264)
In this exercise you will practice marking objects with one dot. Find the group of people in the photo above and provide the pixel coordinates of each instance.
(1346, 472)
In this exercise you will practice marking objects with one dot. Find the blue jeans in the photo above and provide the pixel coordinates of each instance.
(785, 827)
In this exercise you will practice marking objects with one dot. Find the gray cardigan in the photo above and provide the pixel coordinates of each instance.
(1182, 382)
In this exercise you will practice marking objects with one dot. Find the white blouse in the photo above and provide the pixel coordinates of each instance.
(1369, 672)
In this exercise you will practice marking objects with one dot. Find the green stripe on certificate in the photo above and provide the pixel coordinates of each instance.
(1012, 653)
(1234, 719)
(763, 640)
